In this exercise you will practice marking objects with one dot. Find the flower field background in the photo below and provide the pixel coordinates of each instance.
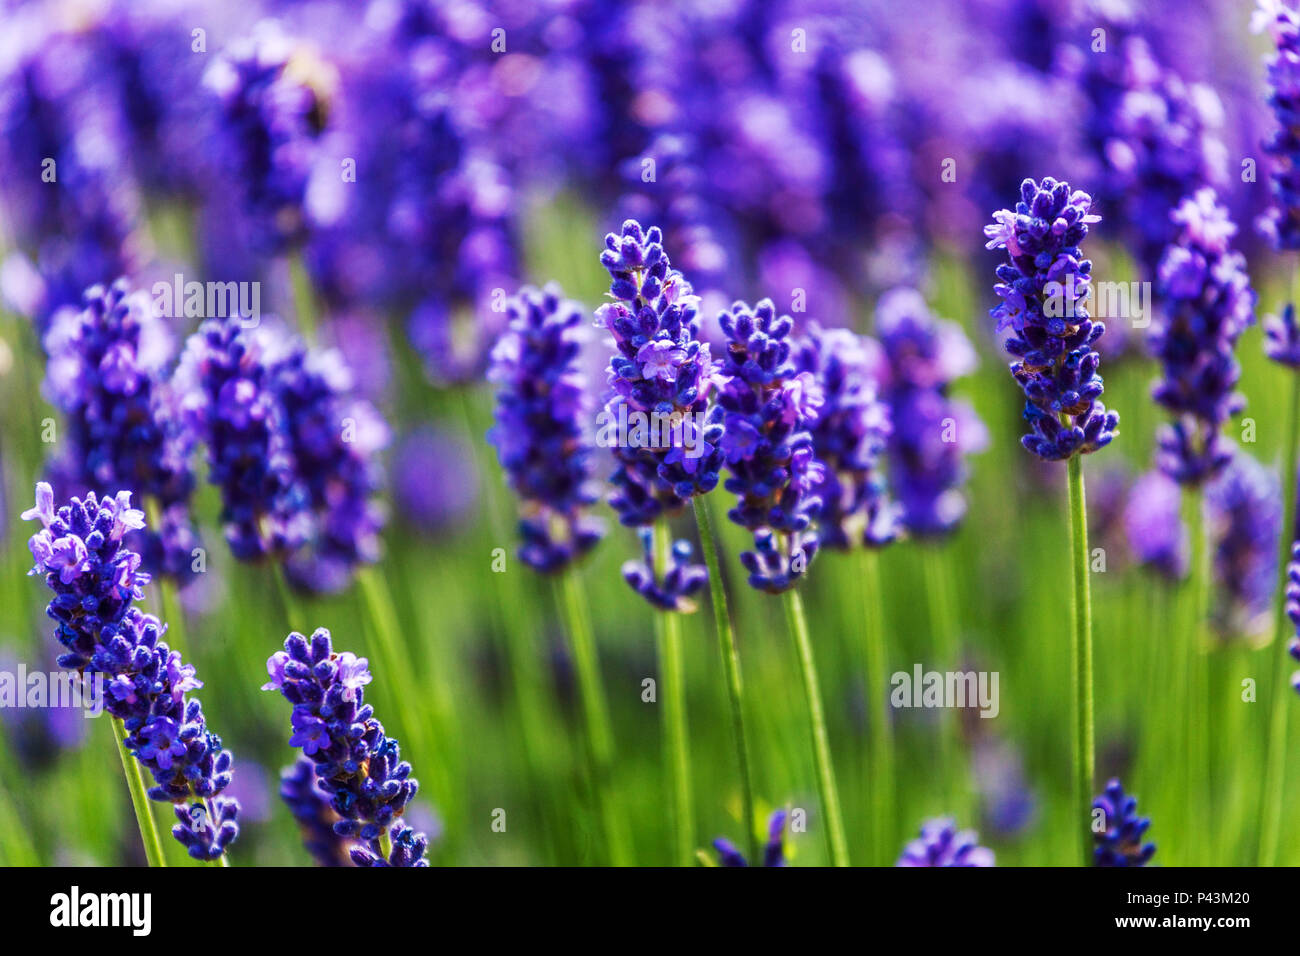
(391, 175)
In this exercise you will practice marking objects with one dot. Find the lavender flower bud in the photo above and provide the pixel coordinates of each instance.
(679, 582)
(942, 844)
(773, 851)
(1282, 332)
(1119, 843)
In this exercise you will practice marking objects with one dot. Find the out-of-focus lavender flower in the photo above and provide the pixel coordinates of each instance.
(671, 590)
(310, 805)
(1281, 224)
(1293, 608)
(1245, 515)
(851, 436)
(96, 580)
(1282, 342)
(661, 376)
(942, 844)
(1007, 803)
(274, 97)
(1157, 536)
(38, 735)
(356, 763)
(106, 372)
(1207, 304)
(932, 433)
(769, 407)
(773, 852)
(434, 480)
(538, 434)
(1043, 288)
(1119, 842)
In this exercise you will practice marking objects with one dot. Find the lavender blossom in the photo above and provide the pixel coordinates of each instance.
(1208, 303)
(942, 844)
(356, 763)
(932, 432)
(1119, 842)
(539, 437)
(660, 374)
(1157, 536)
(96, 580)
(1245, 515)
(769, 407)
(773, 852)
(1293, 608)
(1043, 288)
(672, 590)
(1282, 337)
(1281, 224)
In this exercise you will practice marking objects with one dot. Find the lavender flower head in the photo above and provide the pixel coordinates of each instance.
(672, 591)
(769, 408)
(1281, 224)
(539, 437)
(1208, 303)
(107, 374)
(96, 580)
(932, 432)
(1245, 513)
(359, 766)
(1153, 525)
(1119, 842)
(773, 852)
(851, 436)
(942, 844)
(1293, 608)
(661, 376)
(1043, 287)
(1282, 337)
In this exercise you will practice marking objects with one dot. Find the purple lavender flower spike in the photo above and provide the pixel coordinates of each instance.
(1208, 303)
(408, 849)
(1154, 528)
(1293, 608)
(1282, 343)
(96, 580)
(539, 436)
(1043, 287)
(942, 844)
(679, 581)
(769, 407)
(107, 374)
(773, 852)
(1281, 224)
(660, 375)
(851, 436)
(310, 806)
(1119, 843)
(357, 764)
(1244, 505)
(932, 432)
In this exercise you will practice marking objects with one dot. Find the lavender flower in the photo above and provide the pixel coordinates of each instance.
(932, 432)
(1208, 303)
(942, 844)
(1156, 534)
(660, 373)
(769, 407)
(850, 437)
(679, 581)
(538, 432)
(1282, 332)
(1119, 843)
(773, 852)
(1043, 288)
(107, 374)
(310, 805)
(1293, 608)
(1245, 514)
(96, 580)
(1281, 224)
(356, 763)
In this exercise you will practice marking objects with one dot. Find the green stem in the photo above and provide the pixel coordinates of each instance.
(731, 670)
(600, 741)
(139, 799)
(836, 843)
(385, 844)
(668, 628)
(1082, 657)
(944, 626)
(1279, 689)
(882, 732)
(1196, 726)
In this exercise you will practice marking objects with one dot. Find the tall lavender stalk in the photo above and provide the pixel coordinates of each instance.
(1043, 286)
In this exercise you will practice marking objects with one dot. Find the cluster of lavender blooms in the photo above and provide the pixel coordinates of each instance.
(851, 436)
(673, 590)
(769, 407)
(1043, 287)
(1281, 224)
(1207, 304)
(290, 448)
(538, 434)
(1244, 507)
(355, 762)
(773, 851)
(1293, 608)
(106, 373)
(1119, 842)
(942, 844)
(932, 432)
(96, 581)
